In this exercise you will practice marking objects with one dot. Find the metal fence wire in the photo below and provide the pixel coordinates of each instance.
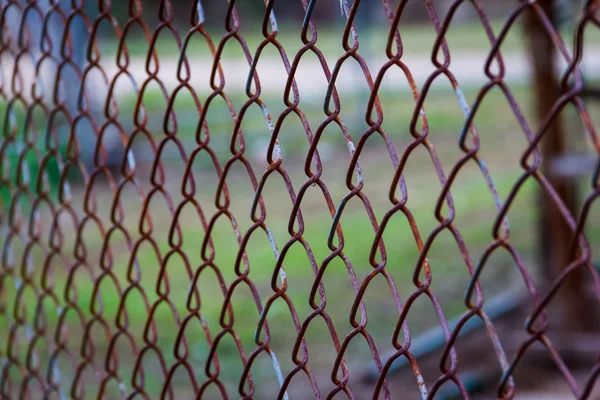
(130, 274)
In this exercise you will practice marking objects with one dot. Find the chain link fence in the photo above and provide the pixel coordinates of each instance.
(236, 208)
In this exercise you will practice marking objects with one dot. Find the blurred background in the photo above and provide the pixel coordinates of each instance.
(107, 136)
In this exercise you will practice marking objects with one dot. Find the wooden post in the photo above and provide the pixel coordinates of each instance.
(555, 235)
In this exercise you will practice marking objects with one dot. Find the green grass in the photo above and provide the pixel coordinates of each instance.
(502, 141)
(473, 203)
(472, 200)
(417, 39)
(443, 114)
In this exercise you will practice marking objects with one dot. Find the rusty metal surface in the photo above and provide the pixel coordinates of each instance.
(31, 331)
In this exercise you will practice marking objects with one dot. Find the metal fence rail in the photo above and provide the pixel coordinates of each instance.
(64, 121)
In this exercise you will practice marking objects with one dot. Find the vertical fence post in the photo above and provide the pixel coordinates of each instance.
(554, 233)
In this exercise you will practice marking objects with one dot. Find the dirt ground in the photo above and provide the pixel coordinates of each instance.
(536, 376)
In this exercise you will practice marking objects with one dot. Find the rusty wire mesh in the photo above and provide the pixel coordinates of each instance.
(67, 327)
